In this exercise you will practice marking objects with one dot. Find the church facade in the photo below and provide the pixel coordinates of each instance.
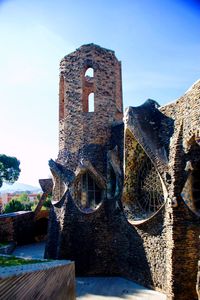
(126, 187)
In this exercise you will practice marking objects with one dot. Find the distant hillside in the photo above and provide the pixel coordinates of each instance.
(19, 187)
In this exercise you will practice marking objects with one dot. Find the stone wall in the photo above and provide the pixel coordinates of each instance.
(17, 227)
(22, 227)
(104, 243)
(169, 136)
(198, 281)
(184, 165)
(186, 252)
(144, 227)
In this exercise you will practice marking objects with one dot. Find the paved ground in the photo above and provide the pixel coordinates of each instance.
(30, 251)
(98, 288)
(113, 288)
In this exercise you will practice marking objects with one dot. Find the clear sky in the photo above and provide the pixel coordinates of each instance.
(158, 43)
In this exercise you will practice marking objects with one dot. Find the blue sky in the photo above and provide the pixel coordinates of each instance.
(158, 43)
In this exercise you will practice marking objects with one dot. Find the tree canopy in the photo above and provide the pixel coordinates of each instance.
(22, 202)
(9, 169)
(13, 206)
(19, 203)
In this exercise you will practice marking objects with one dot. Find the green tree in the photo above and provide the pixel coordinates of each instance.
(13, 206)
(20, 203)
(47, 202)
(24, 199)
(9, 169)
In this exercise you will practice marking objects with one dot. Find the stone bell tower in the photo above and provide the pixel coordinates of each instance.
(90, 105)
(90, 114)
(90, 100)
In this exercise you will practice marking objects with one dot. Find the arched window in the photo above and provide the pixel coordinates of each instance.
(91, 193)
(91, 102)
(143, 192)
(88, 90)
(89, 72)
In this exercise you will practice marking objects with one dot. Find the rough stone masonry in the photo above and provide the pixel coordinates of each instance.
(126, 193)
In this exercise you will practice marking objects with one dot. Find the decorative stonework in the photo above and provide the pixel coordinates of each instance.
(198, 281)
(125, 193)
(143, 193)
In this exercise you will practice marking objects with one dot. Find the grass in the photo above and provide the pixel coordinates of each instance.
(7, 261)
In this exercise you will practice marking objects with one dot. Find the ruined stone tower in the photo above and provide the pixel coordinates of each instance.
(87, 128)
(90, 102)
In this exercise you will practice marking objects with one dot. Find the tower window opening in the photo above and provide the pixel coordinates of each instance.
(89, 72)
(91, 193)
(88, 90)
(91, 102)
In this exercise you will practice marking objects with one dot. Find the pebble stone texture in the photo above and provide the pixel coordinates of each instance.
(17, 227)
(146, 226)
(23, 227)
(198, 281)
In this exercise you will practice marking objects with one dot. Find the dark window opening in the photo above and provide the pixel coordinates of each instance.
(91, 193)
(113, 182)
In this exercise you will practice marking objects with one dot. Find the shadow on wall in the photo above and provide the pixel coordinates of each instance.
(40, 229)
(100, 243)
